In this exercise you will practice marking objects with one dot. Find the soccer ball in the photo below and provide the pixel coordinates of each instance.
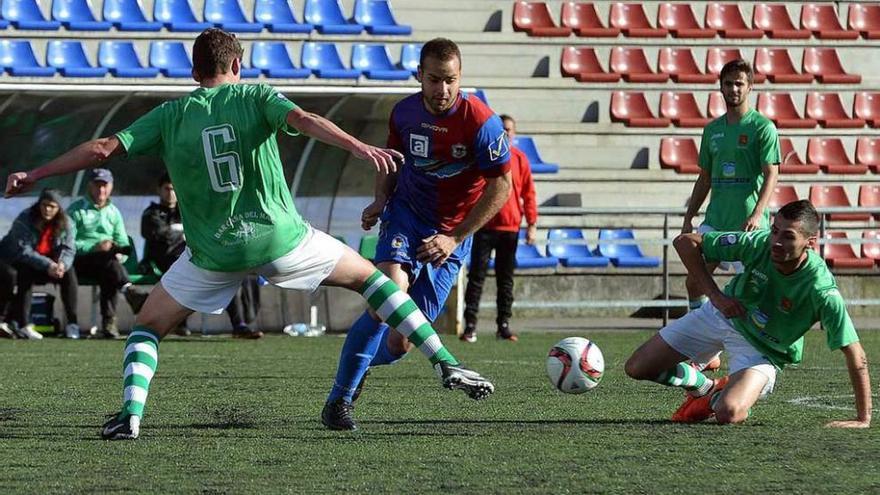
(575, 365)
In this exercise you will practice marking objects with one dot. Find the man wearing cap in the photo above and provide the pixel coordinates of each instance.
(100, 243)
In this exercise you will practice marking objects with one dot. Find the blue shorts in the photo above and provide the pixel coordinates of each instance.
(400, 235)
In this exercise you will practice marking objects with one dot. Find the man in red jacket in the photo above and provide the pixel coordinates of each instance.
(501, 234)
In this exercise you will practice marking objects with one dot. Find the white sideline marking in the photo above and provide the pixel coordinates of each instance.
(814, 401)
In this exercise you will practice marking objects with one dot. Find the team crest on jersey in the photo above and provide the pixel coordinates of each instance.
(459, 151)
(419, 145)
(499, 147)
(743, 140)
(785, 305)
(728, 169)
(397, 242)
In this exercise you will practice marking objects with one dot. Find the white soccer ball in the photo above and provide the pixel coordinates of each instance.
(575, 365)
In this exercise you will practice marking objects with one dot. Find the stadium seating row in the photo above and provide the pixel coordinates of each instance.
(679, 64)
(325, 16)
(679, 20)
(681, 110)
(826, 154)
(170, 58)
(832, 196)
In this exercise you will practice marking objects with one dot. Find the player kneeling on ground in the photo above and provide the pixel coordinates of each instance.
(759, 320)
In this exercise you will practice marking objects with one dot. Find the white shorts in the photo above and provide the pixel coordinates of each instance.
(726, 266)
(703, 333)
(205, 291)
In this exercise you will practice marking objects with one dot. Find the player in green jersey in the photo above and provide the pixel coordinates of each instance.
(759, 320)
(219, 145)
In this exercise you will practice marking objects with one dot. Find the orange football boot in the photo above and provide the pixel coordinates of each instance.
(696, 409)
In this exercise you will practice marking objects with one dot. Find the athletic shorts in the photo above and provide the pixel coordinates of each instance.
(303, 268)
(703, 333)
(400, 235)
(726, 266)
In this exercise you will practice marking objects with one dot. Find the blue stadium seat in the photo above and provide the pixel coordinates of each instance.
(69, 58)
(327, 17)
(274, 60)
(122, 60)
(409, 57)
(278, 17)
(177, 15)
(170, 58)
(375, 63)
(18, 58)
(578, 255)
(228, 15)
(377, 18)
(26, 14)
(128, 15)
(324, 60)
(76, 15)
(539, 166)
(624, 255)
(528, 257)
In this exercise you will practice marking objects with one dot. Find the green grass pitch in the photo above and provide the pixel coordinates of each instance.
(229, 416)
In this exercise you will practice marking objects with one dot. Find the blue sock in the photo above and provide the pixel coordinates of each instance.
(360, 345)
(383, 353)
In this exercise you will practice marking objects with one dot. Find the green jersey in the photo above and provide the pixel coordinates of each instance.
(220, 150)
(93, 225)
(734, 155)
(780, 309)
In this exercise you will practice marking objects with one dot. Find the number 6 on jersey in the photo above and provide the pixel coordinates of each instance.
(223, 168)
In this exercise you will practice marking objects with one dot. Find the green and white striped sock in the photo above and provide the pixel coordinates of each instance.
(686, 377)
(138, 366)
(399, 311)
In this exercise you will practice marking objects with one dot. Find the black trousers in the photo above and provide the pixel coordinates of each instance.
(17, 306)
(504, 244)
(108, 272)
(245, 305)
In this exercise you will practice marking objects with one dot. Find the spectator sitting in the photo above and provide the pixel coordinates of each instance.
(38, 249)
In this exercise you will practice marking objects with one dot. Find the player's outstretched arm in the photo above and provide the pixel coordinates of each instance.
(689, 248)
(857, 364)
(771, 176)
(698, 196)
(385, 160)
(85, 155)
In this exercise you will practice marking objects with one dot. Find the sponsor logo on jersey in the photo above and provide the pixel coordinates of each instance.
(728, 240)
(419, 145)
(435, 128)
(728, 169)
(785, 305)
(459, 150)
(280, 96)
(759, 319)
(499, 147)
(743, 140)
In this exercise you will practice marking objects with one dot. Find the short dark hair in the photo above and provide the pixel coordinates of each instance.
(737, 65)
(165, 179)
(504, 117)
(441, 49)
(804, 212)
(213, 52)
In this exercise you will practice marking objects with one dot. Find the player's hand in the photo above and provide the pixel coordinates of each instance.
(854, 423)
(436, 249)
(531, 234)
(103, 246)
(384, 159)
(752, 223)
(55, 270)
(371, 213)
(18, 183)
(687, 226)
(729, 306)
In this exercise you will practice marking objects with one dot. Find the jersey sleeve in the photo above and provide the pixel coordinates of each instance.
(394, 141)
(275, 107)
(839, 329)
(705, 158)
(492, 148)
(768, 145)
(144, 135)
(734, 246)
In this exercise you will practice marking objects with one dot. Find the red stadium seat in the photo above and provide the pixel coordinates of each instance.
(834, 196)
(534, 19)
(828, 110)
(830, 155)
(779, 108)
(582, 64)
(782, 195)
(632, 109)
(821, 19)
(716, 107)
(868, 153)
(775, 21)
(867, 106)
(778, 66)
(842, 255)
(679, 154)
(727, 19)
(681, 109)
(871, 250)
(679, 63)
(791, 162)
(825, 66)
(869, 197)
(679, 19)
(631, 19)
(583, 19)
(632, 64)
(717, 57)
(865, 18)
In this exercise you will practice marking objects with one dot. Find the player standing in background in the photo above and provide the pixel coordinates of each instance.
(759, 319)
(219, 145)
(454, 178)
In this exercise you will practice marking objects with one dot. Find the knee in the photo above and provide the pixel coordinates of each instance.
(730, 413)
(635, 370)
